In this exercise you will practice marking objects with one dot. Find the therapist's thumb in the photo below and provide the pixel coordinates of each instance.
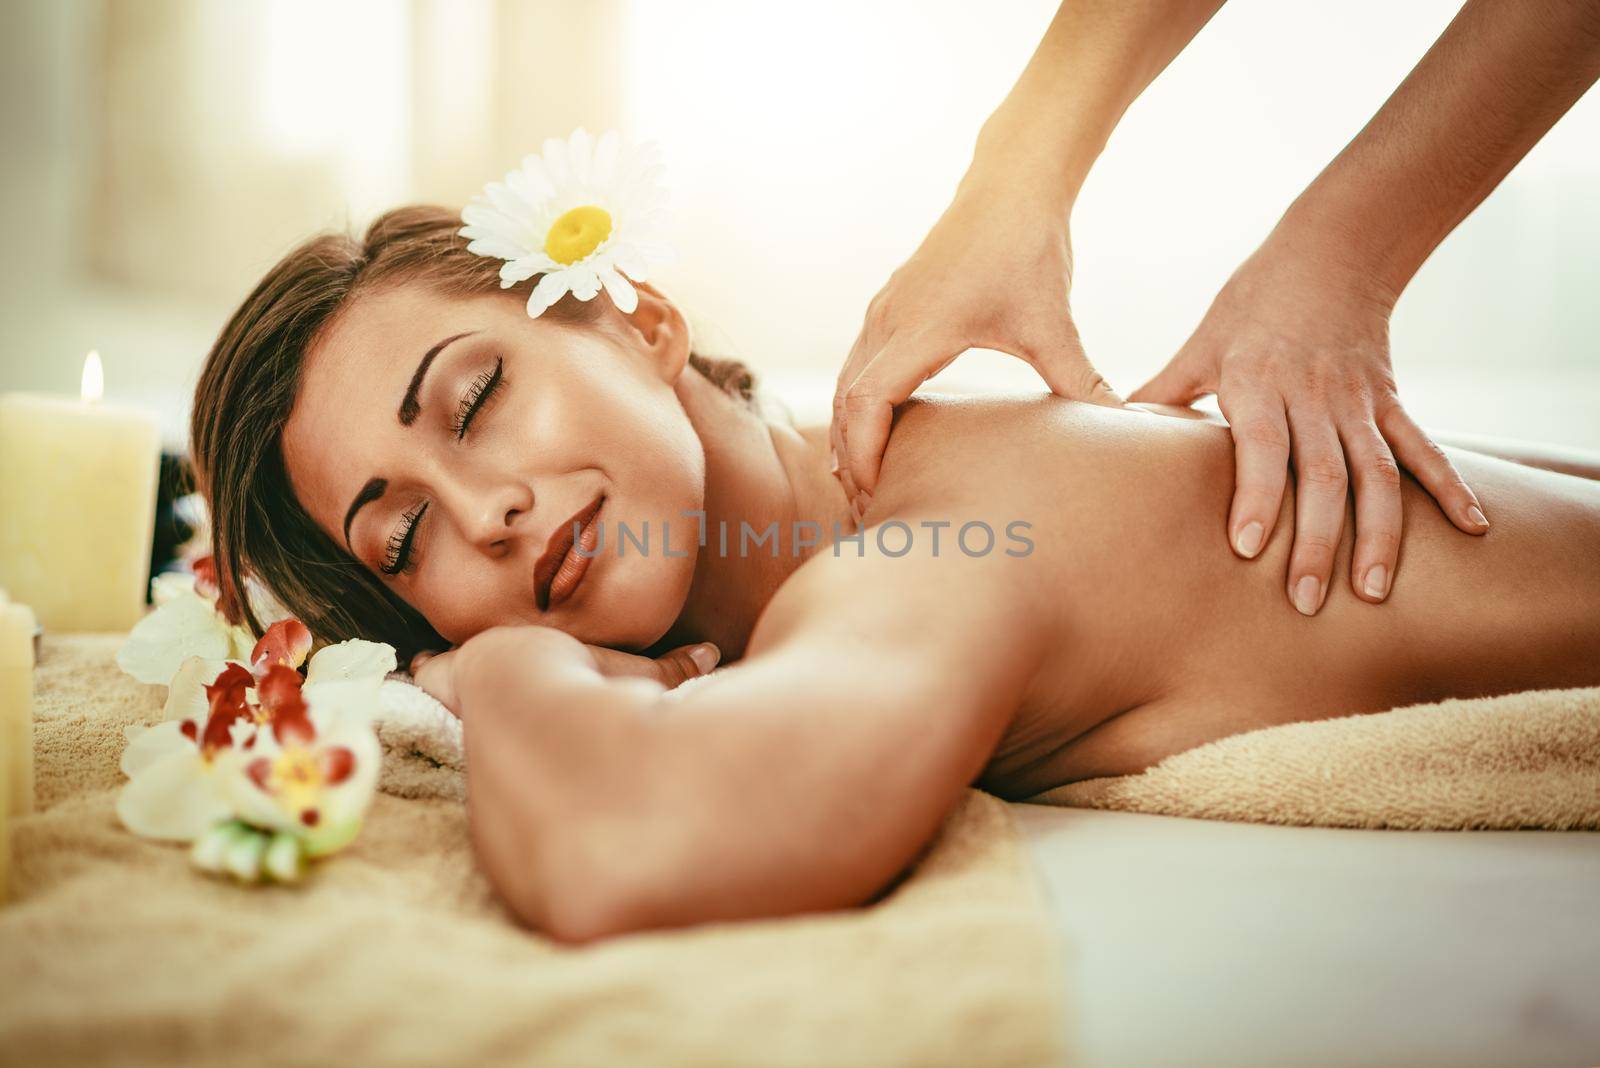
(1182, 380)
(889, 377)
(1066, 369)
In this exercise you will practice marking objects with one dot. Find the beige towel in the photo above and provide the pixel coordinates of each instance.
(1525, 760)
(395, 953)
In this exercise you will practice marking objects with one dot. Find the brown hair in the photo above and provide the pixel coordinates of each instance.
(248, 387)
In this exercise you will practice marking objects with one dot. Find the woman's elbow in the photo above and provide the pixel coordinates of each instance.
(594, 879)
(579, 902)
(578, 885)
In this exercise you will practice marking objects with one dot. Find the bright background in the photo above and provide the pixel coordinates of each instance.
(160, 154)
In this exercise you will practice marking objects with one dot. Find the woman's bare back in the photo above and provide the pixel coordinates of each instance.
(1167, 640)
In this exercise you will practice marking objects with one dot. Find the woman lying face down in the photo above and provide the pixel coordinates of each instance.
(1040, 592)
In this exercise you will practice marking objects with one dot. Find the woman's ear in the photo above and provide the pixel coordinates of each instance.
(658, 327)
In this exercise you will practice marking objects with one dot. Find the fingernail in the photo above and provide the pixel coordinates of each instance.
(1248, 540)
(833, 459)
(1476, 517)
(1305, 595)
(1377, 581)
(705, 657)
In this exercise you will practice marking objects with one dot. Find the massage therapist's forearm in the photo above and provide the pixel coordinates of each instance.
(1491, 86)
(1094, 61)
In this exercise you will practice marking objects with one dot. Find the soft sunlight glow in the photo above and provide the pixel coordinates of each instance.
(335, 84)
(93, 384)
(782, 133)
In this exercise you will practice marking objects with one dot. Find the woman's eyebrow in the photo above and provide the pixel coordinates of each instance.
(411, 405)
(410, 408)
(374, 489)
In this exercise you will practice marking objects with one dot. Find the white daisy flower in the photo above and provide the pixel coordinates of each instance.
(583, 214)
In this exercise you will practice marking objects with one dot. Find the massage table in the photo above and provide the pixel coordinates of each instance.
(1189, 942)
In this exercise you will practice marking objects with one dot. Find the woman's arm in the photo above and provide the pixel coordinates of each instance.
(806, 777)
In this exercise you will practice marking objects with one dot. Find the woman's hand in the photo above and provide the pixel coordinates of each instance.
(993, 273)
(1296, 348)
(437, 673)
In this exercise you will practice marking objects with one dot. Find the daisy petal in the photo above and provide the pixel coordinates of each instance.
(522, 269)
(604, 171)
(585, 282)
(497, 247)
(487, 218)
(623, 295)
(551, 288)
(630, 261)
(531, 183)
(578, 154)
(555, 162)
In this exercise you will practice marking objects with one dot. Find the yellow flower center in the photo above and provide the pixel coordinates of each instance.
(577, 233)
(296, 777)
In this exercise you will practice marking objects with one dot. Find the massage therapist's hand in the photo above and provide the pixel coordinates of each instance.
(437, 673)
(993, 273)
(1296, 348)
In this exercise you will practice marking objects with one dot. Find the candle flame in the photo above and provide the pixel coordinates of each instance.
(94, 378)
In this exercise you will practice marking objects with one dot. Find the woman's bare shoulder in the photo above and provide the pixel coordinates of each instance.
(967, 447)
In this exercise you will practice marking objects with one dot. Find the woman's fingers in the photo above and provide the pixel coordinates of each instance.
(670, 669)
(1321, 482)
(1261, 465)
(1427, 463)
(435, 673)
(1379, 516)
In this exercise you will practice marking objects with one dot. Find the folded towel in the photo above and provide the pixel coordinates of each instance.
(423, 744)
(396, 952)
(1523, 760)
(422, 741)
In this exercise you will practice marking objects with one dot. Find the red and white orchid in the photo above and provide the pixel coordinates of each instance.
(259, 766)
(187, 622)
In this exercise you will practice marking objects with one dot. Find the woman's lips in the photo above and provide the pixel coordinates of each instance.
(560, 569)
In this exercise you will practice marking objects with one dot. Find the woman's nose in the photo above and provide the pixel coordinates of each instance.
(495, 514)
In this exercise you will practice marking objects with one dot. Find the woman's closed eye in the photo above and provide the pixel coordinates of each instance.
(400, 556)
(478, 393)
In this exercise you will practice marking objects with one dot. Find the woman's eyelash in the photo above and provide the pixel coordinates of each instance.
(399, 558)
(477, 395)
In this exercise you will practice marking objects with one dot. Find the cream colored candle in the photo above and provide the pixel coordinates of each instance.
(16, 724)
(77, 506)
(5, 835)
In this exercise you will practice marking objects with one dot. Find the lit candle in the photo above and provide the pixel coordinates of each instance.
(16, 724)
(77, 505)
